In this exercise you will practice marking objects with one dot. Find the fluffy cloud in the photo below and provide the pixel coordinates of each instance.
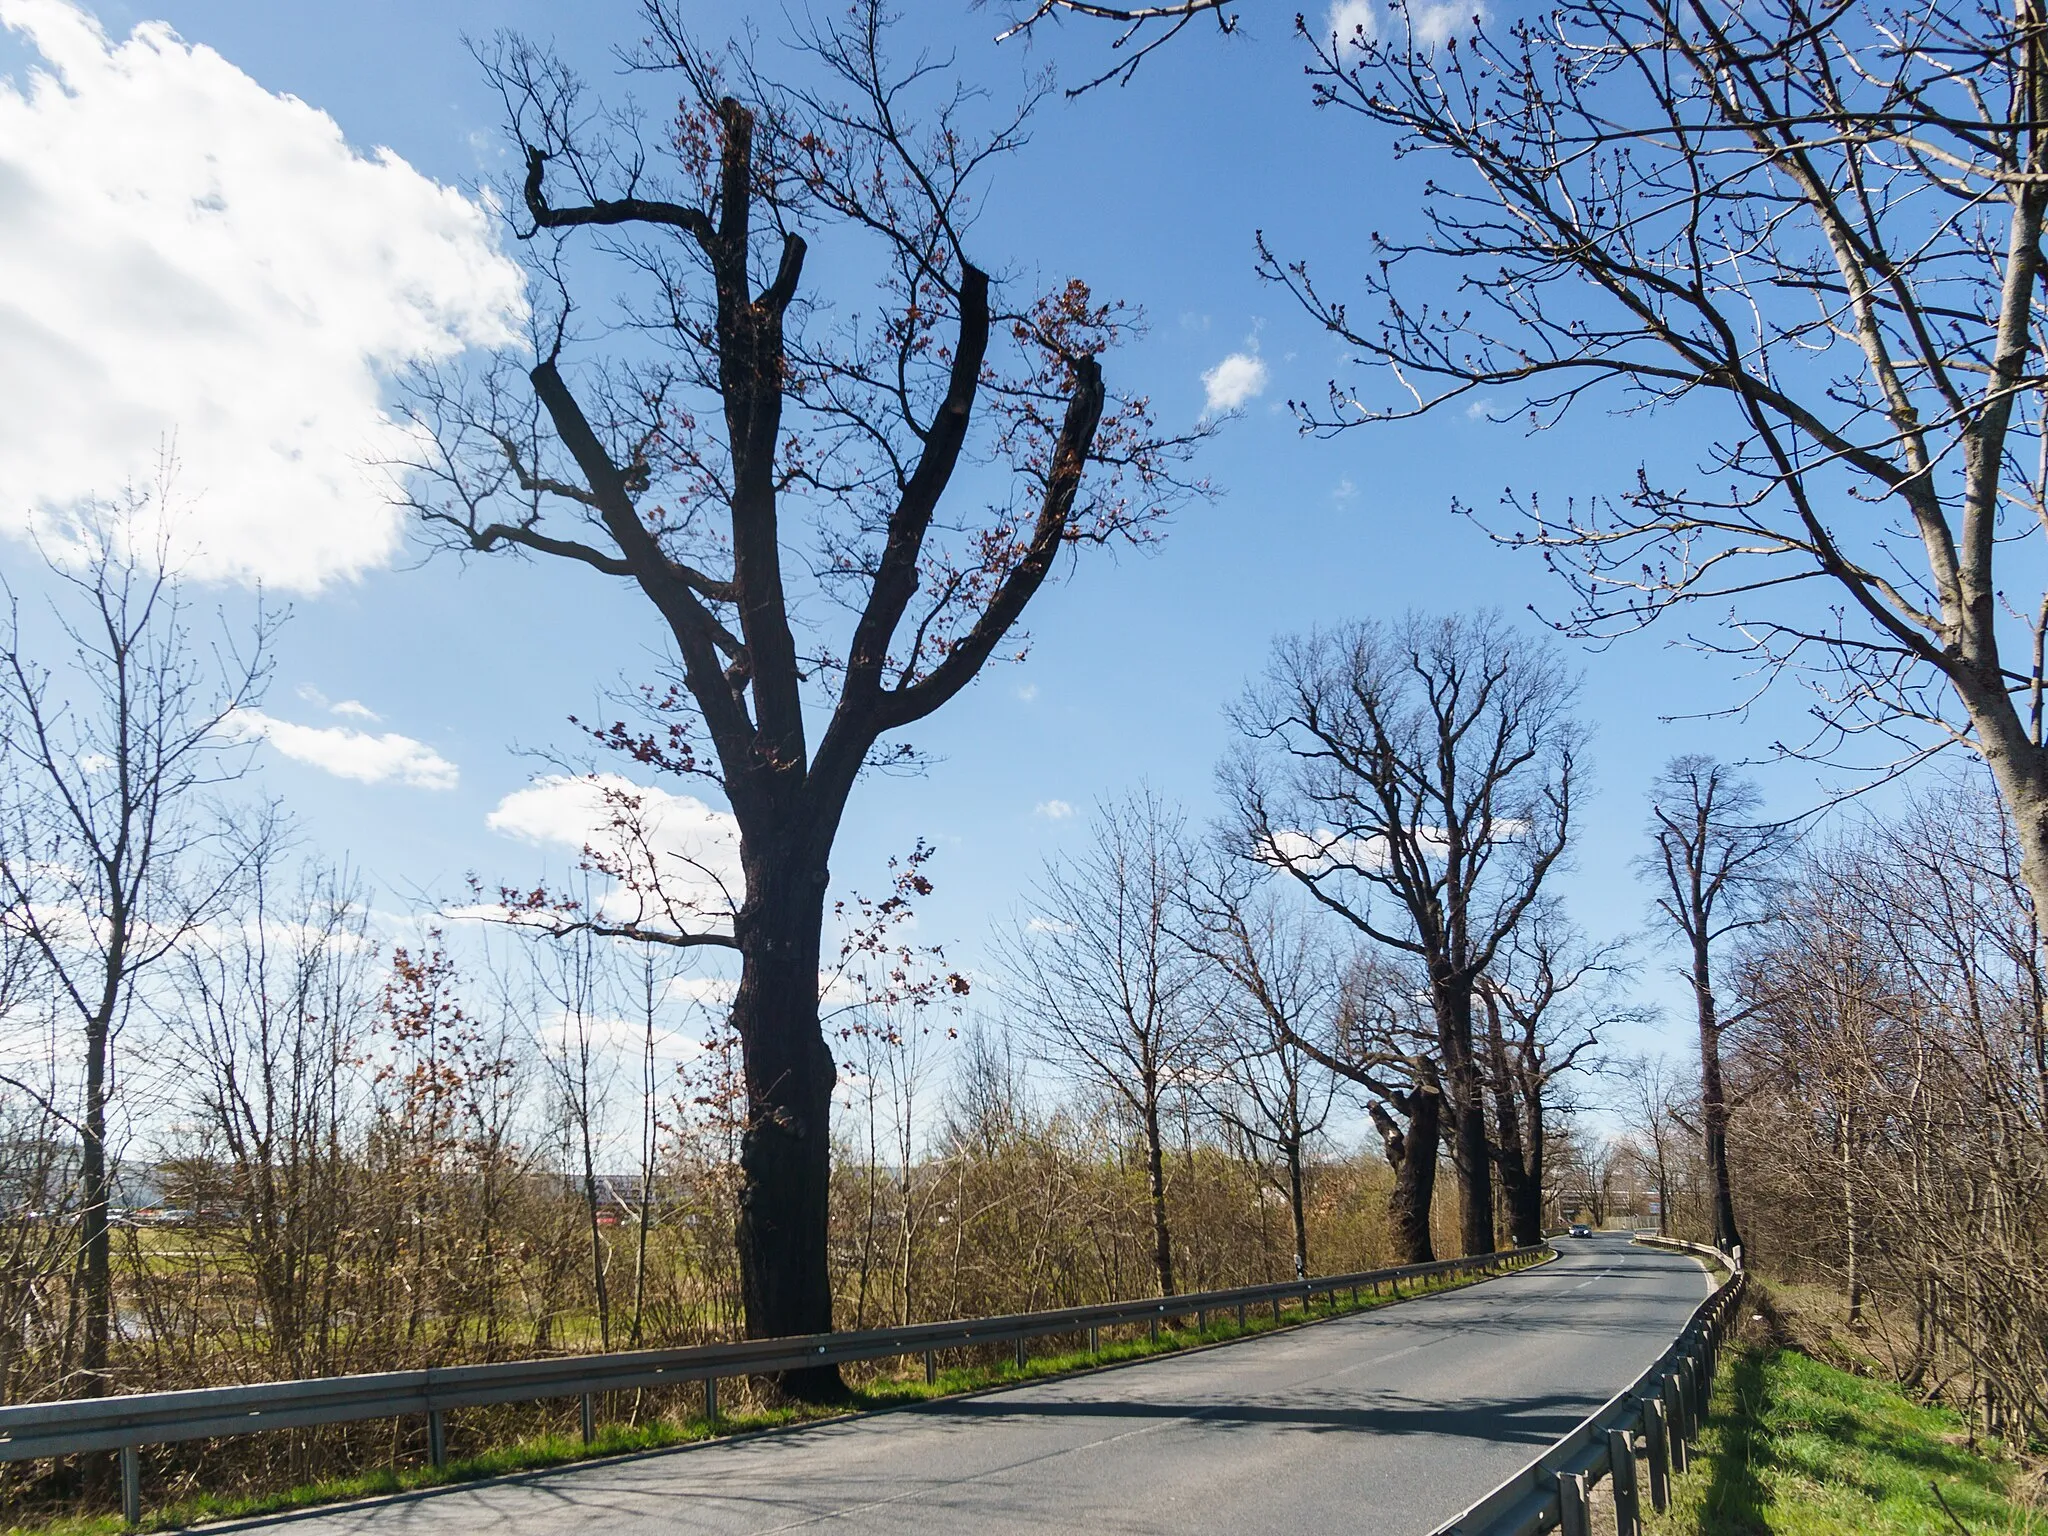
(680, 857)
(194, 264)
(1430, 22)
(1238, 378)
(1054, 810)
(348, 753)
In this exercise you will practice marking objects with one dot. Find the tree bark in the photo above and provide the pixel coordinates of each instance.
(1299, 1205)
(1412, 1154)
(1521, 1178)
(1471, 1149)
(786, 1145)
(1713, 1103)
(1155, 1167)
(95, 1238)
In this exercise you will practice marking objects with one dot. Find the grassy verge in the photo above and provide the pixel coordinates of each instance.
(542, 1452)
(1796, 1447)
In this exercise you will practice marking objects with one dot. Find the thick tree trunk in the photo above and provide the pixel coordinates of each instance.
(1412, 1154)
(1521, 1187)
(786, 1147)
(1528, 1215)
(1471, 1150)
(1713, 1104)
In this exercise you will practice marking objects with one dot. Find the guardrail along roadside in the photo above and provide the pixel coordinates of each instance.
(128, 1423)
(1656, 1419)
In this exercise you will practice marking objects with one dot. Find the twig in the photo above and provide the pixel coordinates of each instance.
(1934, 1489)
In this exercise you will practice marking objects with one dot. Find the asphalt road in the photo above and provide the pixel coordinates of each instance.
(1382, 1423)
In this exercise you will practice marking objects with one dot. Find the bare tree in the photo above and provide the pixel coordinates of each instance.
(760, 468)
(1283, 984)
(1106, 988)
(1716, 869)
(1650, 1101)
(573, 973)
(276, 1001)
(1416, 779)
(1549, 999)
(112, 851)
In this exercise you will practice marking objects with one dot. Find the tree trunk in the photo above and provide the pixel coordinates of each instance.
(1528, 1213)
(95, 1240)
(786, 1146)
(1299, 1205)
(1412, 1154)
(1471, 1150)
(1521, 1188)
(1155, 1164)
(1713, 1103)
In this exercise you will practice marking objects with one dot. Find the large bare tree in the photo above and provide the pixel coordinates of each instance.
(1417, 779)
(837, 514)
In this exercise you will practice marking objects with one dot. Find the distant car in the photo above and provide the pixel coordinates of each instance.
(1580, 1229)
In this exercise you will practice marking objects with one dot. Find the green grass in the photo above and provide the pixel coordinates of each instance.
(541, 1452)
(1795, 1447)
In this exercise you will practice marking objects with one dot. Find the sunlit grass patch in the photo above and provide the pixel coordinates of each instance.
(1798, 1447)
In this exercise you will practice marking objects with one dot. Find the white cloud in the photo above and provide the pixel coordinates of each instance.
(1430, 22)
(352, 709)
(348, 753)
(1238, 378)
(190, 260)
(1028, 692)
(1479, 409)
(1347, 18)
(1053, 810)
(681, 856)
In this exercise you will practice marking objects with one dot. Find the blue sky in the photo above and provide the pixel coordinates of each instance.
(1151, 191)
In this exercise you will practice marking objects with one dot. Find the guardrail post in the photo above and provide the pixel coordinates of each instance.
(1020, 1354)
(1240, 1317)
(1094, 1340)
(1621, 1473)
(931, 1361)
(711, 1399)
(437, 1438)
(1155, 1328)
(589, 1418)
(1201, 1319)
(1574, 1518)
(1656, 1435)
(131, 1485)
(1276, 1311)
(1674, 1424)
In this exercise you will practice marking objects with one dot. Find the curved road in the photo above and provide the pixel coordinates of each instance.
(1386, 1422)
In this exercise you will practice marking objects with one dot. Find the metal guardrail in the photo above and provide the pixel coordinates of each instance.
(126, 1423)
(1664, 1407)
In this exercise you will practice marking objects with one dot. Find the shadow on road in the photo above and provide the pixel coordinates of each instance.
(1525, 1420)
